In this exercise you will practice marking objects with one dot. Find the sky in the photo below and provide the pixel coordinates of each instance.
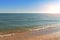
(29, 6)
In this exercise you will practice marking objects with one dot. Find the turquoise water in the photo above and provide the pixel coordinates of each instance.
(12, 21)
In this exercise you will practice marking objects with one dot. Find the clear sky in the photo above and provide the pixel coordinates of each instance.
(29, 6)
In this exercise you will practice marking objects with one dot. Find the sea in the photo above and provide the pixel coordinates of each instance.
(25, 21)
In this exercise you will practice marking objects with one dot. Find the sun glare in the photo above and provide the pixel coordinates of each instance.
(53, 9)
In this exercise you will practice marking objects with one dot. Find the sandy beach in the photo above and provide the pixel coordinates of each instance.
(51, 33)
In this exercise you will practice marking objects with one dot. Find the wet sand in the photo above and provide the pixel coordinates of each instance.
(51, 33)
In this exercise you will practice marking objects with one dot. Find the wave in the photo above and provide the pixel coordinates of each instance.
(44, 27)
(4, 35)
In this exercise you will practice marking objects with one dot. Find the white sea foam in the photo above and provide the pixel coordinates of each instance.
(4, 35)
(45, 27)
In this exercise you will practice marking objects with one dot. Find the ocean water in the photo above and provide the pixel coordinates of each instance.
(19, 21)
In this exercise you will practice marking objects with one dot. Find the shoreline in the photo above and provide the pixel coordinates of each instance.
(50, 33)
(31, 29)
(43, 31)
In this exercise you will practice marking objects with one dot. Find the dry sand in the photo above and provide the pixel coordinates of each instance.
(52, 33)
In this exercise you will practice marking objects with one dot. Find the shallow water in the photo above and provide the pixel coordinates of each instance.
(15, 21)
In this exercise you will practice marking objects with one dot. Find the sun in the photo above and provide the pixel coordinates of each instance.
(53, 9)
